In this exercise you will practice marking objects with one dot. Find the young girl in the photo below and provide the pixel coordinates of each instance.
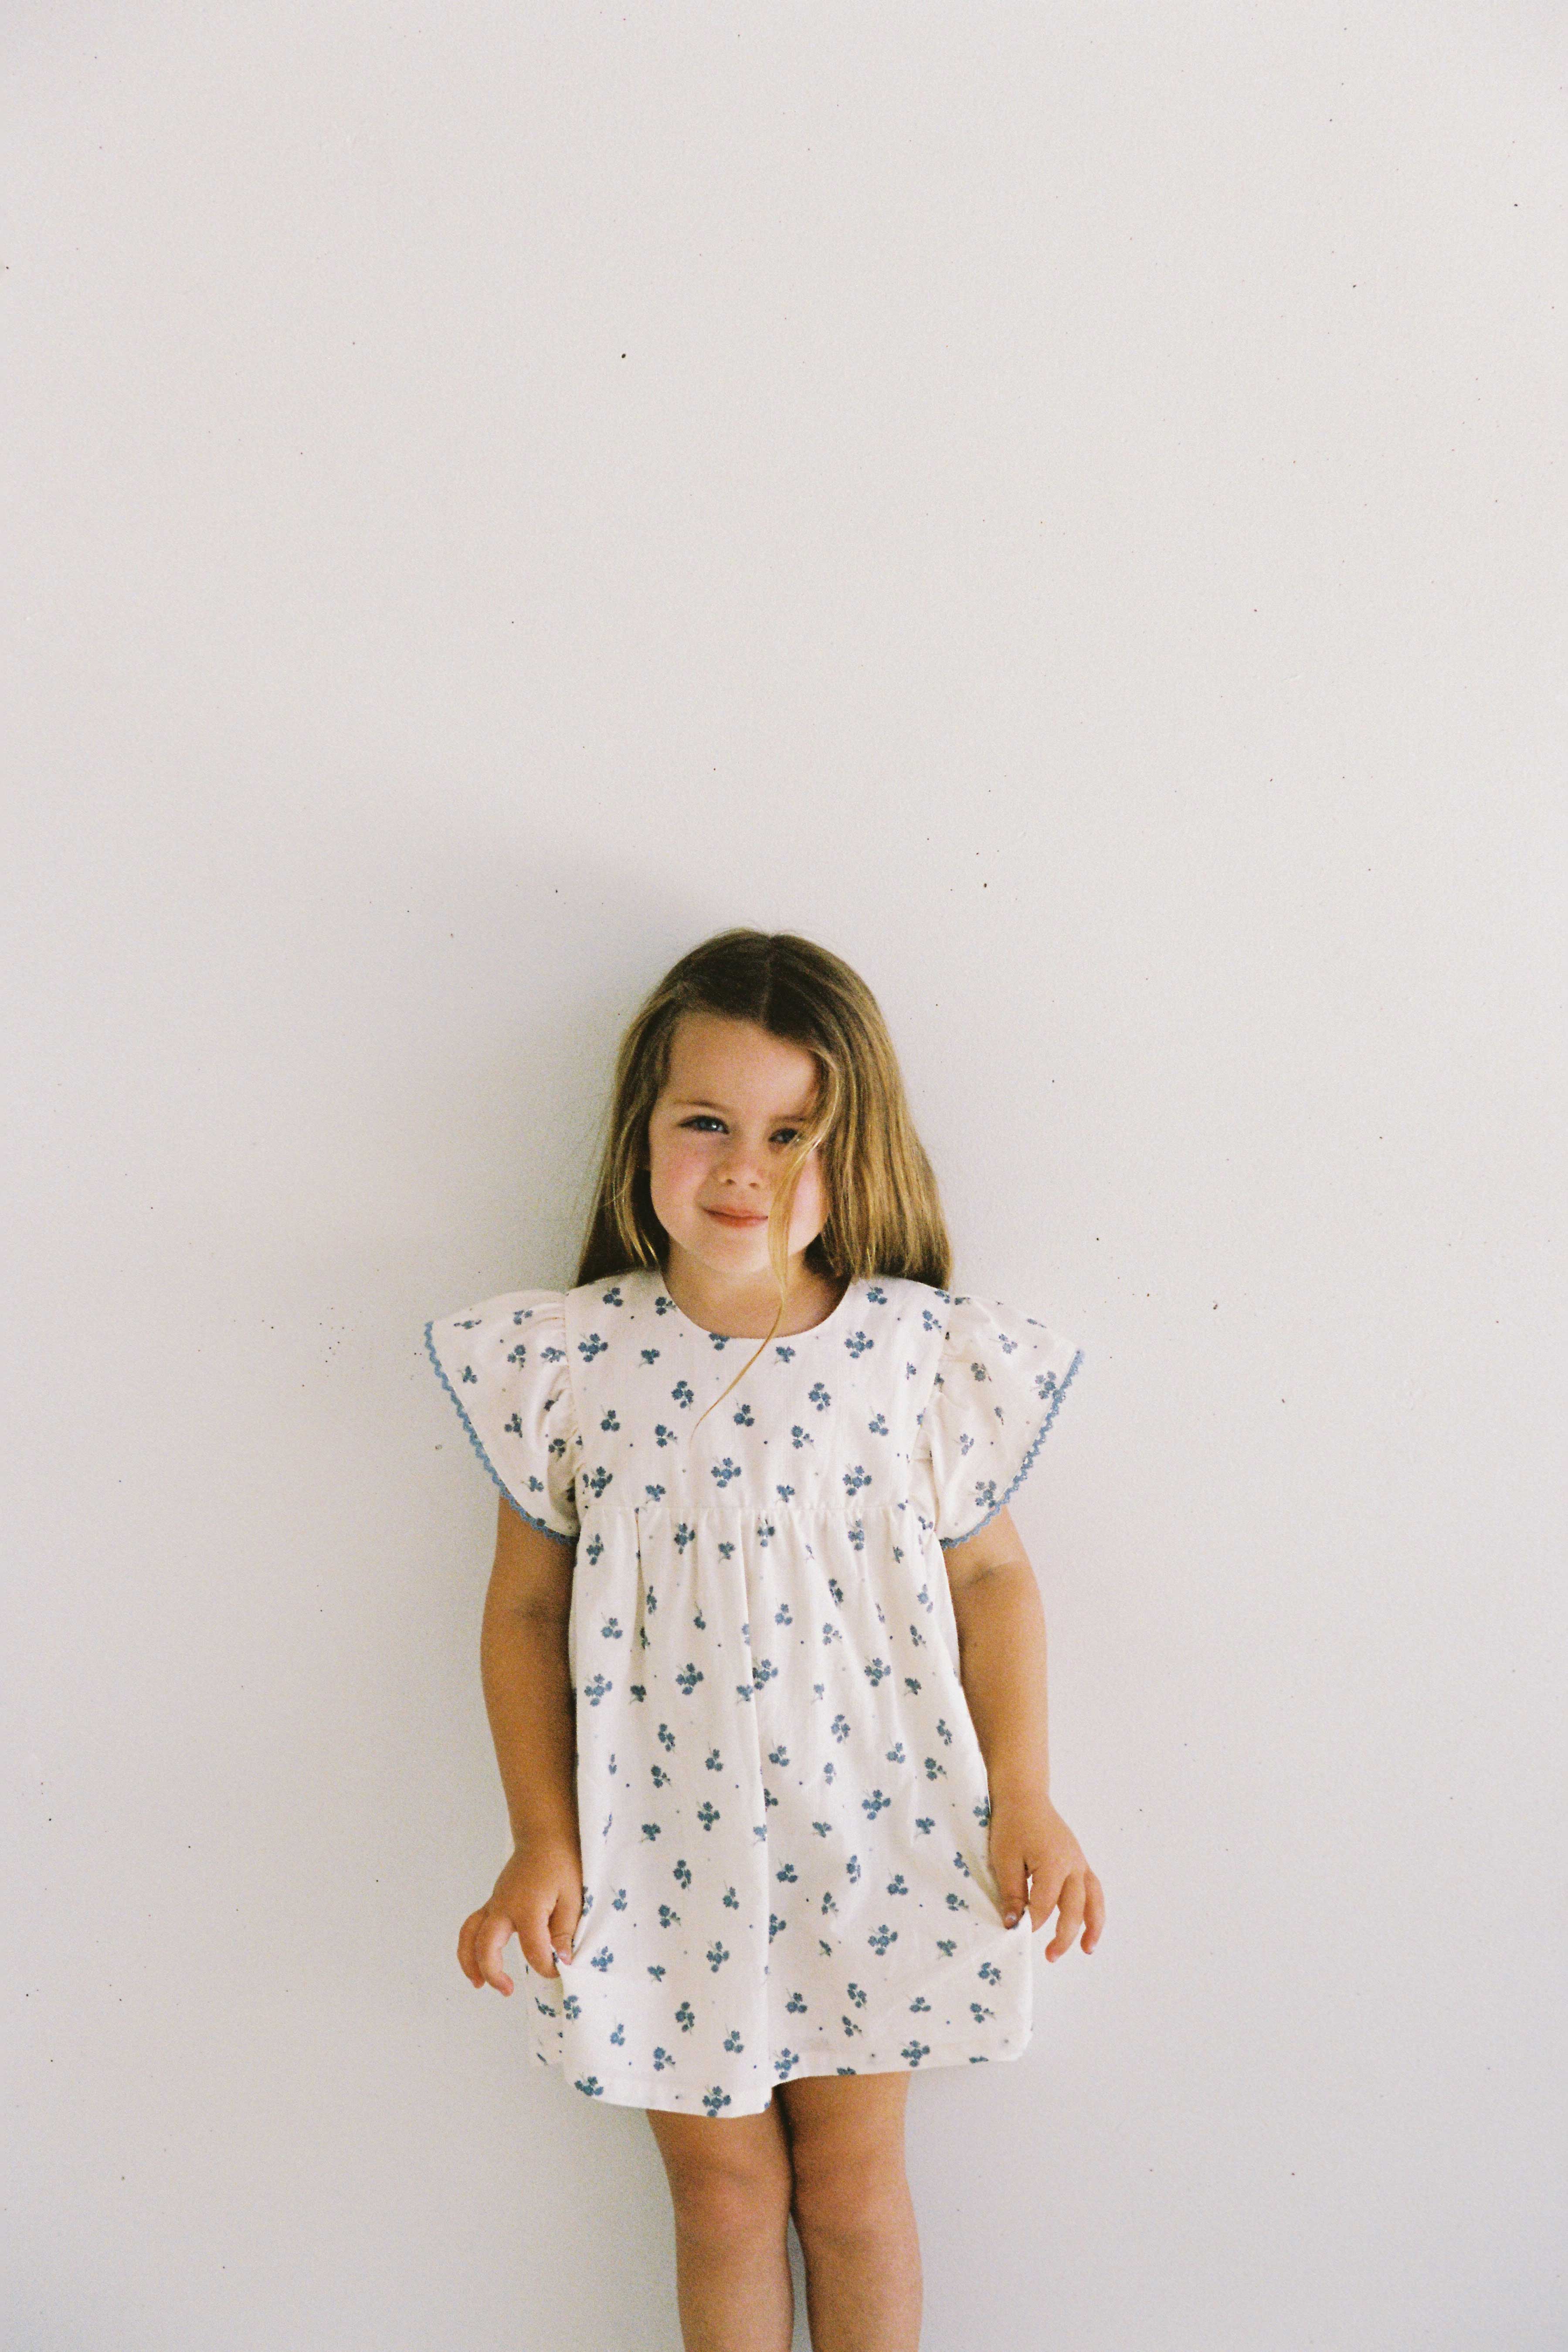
(763, 1654)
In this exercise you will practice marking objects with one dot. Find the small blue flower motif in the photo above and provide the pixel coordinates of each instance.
(935, 1772)
(876, 1670)
(744, 1418)
(650, 1602)
(682, 1874)
(725, 1549)
(925, 1825)
(688, 1678)
(763, 1671)
(896, 1753)
(765, 1531)
(985, 1495)
(742, 1690)
(795, 2005)
(829, 1770)
(786, 1876)
(619, 2034)
(875, 1804)
(661, 1778)
(570, 2006)
(883, 1936)
(819, 1396)
(858, 1342)
(827, 1902)
(896, 1884)
(775, 1925)
(915, 2051)
(979, 2012)
(856, 1994)
(800, 1437)
(919, 2003)
(830, 1631)
(956, 1903)
(783, 2064)
(782, 1614)
(618, 1900)
(857, 1478)
(611, 1297)
(708, 1815)
(876, 1295)
(600, 1479)
(726, 1470)
(593, 1547)
(923, 1597)
(822, 1828)
(663, 1436)
(590, 1347)
(657, 1971)
(699, 1622)
(715, 1761)
(594, 1691)
(818, 1689)
(856, 1532)
(943, 1945)
(716, 1955)
(592, 2085)
(983, 1811)
(602, 1960)
(779, 1756)
(732, 1900)
(609, 1422)
(685, 2017)
(825, 1949)
(943, 1732)
(683, 1392)
(684, 1534)
(849, 2027)
(665, 1736)
(989, 1972)
(852, 1869)
(661, 2059)
(783, 1493)
(611, 1628)
(650, 1355)
(652, 1829)
(746, 1631)
(959, 1863)
(667, 1918)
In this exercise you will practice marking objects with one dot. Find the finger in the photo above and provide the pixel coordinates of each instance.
(1094, 1910)
(466, 1959)
(1069, 1918)
(495, 1932)
(1012, 1884)
(565, 1919)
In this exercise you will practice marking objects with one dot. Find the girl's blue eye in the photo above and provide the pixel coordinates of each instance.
(707, 1118)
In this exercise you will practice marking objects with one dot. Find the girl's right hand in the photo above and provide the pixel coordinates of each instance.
(539, 1898)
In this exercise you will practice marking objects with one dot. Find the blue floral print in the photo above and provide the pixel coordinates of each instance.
(777, 1810)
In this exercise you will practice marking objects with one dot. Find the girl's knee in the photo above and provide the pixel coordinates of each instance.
(724, 2183)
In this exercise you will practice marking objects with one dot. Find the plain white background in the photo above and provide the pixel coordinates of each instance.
(1064, 505)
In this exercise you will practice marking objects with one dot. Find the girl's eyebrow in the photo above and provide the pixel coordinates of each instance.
(691, 1102)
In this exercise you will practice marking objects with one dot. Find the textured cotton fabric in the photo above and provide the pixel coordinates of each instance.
(781, 1802)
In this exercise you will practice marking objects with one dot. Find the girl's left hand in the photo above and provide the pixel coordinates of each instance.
(1037, 1858)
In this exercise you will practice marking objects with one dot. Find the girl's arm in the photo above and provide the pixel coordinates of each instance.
(1002, 1664)
(527, 1683)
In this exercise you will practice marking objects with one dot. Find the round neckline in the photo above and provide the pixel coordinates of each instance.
(757, 1338)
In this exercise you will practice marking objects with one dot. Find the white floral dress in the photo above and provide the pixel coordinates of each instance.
(782, 1803)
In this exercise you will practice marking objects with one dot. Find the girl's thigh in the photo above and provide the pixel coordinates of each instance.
(846, 2136)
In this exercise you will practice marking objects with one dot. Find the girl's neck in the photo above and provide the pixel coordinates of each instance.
(745, 1310)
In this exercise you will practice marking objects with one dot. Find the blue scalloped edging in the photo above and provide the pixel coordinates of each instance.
(948, 1542)
(479, 1449)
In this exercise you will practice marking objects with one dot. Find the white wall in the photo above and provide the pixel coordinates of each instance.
(1065, 506)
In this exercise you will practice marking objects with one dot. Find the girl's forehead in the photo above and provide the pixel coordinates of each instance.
(709, 1053)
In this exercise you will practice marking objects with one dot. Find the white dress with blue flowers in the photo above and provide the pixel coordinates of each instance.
(781, 1802)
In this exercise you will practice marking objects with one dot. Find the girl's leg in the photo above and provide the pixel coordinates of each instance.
(729, 2187)
(853, 2210)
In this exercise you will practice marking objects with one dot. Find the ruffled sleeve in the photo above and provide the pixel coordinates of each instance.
(504, 1365)
(1000, 1383)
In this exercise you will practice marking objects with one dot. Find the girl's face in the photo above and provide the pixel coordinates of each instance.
(733, 1106)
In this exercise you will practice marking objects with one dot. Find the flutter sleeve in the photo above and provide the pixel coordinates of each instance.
(504, 1365)
(1000, 1383)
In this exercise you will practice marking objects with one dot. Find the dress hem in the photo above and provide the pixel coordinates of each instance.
(652, 2091)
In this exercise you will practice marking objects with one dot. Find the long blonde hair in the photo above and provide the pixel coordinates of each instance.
(884, 1214)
